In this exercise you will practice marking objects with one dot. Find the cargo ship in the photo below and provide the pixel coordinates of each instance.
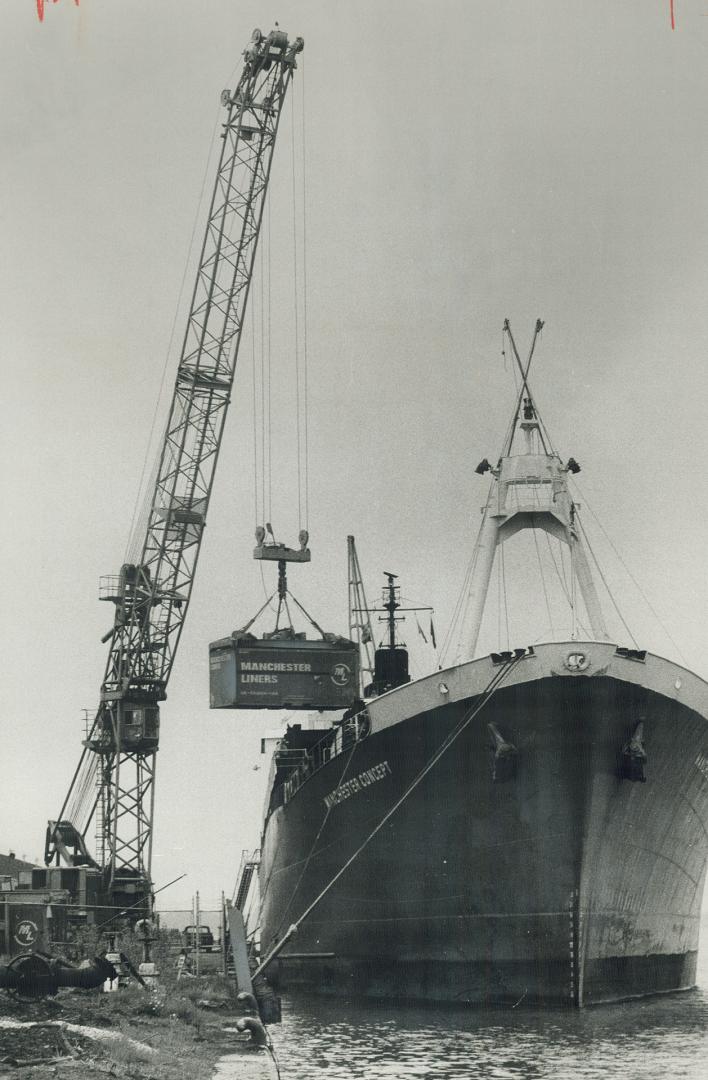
(528, 826)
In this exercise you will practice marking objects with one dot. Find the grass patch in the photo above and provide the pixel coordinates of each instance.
(186, 1038)
(181, 1021)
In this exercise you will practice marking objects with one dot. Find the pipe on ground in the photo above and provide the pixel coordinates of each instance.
(32, 975)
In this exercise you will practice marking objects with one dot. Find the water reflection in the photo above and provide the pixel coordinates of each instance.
(664, 1038)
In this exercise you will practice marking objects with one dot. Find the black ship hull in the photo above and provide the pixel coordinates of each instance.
(543, 873)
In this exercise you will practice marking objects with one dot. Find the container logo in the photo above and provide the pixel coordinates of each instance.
(26, 932)
(341, 675)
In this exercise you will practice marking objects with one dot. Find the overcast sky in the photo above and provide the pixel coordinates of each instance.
(465, 162)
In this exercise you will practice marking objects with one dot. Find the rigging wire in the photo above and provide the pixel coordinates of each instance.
(524, 371)
(507, 435)
(629, 572)
(499, 599)
(604, 580)
(264, 892)
(561, 575)
(573, 593)
(504, 593)
(463, 596)
(544, 429)
(464, 591)
(543, 581)
(311, 852)
(265, 588)
(447, 742)
(461, 607)
(561, 580)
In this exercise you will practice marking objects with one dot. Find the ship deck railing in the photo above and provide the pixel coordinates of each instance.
(338, 739)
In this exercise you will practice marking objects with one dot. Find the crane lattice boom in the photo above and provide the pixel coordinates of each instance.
(151, 597)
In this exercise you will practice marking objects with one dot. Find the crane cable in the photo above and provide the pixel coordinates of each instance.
(300, 347)
(254, 409)
(261, 365)
(269, 264)
(296, 313)
(304, 295)
(77, 805)
(299, 219)
(265, 387)
(261, 332)
(313, 846)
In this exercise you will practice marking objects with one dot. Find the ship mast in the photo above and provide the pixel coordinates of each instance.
(529, 490)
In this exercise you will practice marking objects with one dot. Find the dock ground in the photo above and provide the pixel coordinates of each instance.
(178, 1032)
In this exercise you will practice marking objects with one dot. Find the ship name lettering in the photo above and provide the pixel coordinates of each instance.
(357, 783)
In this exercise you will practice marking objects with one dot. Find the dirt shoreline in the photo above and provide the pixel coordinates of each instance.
(175, 1034)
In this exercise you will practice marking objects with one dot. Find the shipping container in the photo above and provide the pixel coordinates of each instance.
(283, 672)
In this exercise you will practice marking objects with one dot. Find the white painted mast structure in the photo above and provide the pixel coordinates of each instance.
(529, 491)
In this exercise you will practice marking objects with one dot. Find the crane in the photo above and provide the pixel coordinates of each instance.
(114, 782)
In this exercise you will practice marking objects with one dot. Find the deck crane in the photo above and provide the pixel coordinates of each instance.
(114, 782)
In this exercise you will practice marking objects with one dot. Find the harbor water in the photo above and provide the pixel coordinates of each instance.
(662, 1037)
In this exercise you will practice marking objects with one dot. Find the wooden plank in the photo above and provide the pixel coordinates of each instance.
(239, 949)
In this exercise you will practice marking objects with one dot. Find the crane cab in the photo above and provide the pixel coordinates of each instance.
(141, 727)
(138, 725)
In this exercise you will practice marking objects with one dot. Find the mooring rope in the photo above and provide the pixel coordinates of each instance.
(466, 720)
(321, 829)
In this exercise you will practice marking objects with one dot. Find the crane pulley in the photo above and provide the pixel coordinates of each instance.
(115, 779)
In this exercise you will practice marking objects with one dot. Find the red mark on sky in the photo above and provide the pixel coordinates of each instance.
(41, 4)
(671, 5)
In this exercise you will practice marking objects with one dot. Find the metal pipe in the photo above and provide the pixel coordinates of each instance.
(33, 975)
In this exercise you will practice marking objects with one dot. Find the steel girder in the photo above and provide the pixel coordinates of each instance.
(152, 597)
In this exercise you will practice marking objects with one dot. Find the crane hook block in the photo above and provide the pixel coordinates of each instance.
(276, 552)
